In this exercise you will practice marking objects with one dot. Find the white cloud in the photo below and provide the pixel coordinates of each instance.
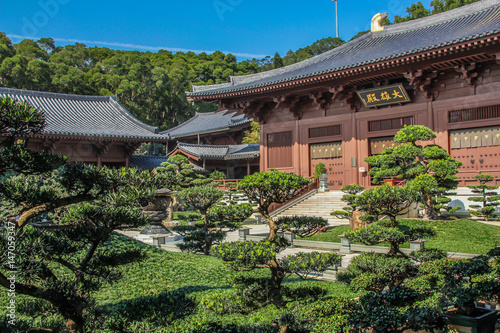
(138, 47)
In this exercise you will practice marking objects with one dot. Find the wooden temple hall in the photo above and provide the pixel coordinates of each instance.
(442, 71)
(92, 129)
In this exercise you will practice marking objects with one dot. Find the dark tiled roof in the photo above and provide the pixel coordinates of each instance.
(205, 123)
(223, 152)
(89, 116)
(147, 162)
(466, 23)
(152, 162)
(251, 150)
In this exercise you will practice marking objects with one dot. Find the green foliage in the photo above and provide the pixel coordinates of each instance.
(395, 310)
(232, 213)
(398, 299)
(217, 218)
(271, 187)
(267, 188)
(375, 271)
(430, 170)
(86, 203)
(462, 282)
(305, 264)
(302, 226)
(248, 255)
(201, 197)
(252, 135)
(390, 201)
(489, 200)
(177, 174)
(201, 239)
(351, 193)
(319, 169)
(277, 61)
(426, 255)
(218, 175)
(171, 277)
(463, 236)
(318, 47)
(330, 315)
(383, 231)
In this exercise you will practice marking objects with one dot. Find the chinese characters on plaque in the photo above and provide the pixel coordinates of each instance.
(387, 95)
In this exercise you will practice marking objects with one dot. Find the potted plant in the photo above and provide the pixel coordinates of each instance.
(320, 173)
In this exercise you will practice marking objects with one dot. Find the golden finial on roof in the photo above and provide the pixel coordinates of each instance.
(377, 22)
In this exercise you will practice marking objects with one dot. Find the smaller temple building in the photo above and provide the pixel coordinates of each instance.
(91, 129)
(211, 128)
(236, 161)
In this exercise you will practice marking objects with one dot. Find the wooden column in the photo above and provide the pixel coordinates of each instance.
(248, 167)
(263, 150)
(354, 145)
(296, 149)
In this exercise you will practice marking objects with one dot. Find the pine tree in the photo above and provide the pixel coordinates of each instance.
(489, 200)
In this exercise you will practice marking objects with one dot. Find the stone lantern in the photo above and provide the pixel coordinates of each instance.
(157, 211)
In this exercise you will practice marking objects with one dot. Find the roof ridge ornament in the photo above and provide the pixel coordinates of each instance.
(377, 22)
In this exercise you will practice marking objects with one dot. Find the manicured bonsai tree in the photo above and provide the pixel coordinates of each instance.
(461, 282)
(319, 169)
(60, 267)
(411, 159)
(389, 201)
(200, 239)
(351, 193)
(267, 188)
(489, 200)
(178, 174)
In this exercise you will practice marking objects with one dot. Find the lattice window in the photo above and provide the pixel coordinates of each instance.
(475, 137)
(320, 132)
(485, 112)
(378, 145)
(279, 149)
(326, 150)
(390, 124)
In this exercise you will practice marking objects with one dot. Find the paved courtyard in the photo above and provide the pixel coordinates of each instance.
(233, 237)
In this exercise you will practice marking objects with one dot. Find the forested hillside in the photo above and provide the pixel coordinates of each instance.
(151, 85)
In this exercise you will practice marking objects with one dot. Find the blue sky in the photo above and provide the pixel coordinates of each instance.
(243, 27)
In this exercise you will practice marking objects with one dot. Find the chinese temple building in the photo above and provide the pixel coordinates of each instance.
(211, 128)
(92, 129)
(236, 161)
(441, 71)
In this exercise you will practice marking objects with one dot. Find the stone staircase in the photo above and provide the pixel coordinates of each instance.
(319, 204)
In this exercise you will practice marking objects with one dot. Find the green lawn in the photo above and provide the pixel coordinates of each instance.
(162, 292)
(464, 236)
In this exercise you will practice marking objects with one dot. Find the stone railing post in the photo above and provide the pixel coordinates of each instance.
(243, 233)
(417, 245)
(290, 236)
(345, 245)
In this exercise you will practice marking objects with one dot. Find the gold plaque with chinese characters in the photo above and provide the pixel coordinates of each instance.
(387, 95)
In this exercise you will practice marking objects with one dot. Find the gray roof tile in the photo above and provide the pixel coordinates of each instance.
(205, 123)
(146, 162)
(90, 116)
(221, 152)
(466, 23)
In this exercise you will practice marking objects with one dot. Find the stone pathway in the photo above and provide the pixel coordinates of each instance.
(233, 237)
